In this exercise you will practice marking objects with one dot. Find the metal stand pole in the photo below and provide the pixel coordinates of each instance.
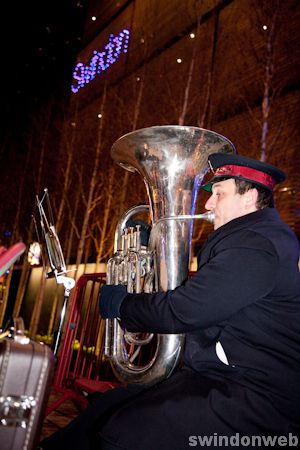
(68, 283)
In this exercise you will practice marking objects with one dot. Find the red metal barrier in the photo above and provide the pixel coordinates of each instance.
(81, 366)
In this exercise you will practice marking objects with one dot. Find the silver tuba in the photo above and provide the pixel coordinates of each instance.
(172, 161)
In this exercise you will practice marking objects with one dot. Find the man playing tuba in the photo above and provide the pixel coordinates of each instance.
(239, 384)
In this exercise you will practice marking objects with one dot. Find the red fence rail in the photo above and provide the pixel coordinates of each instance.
(81, 366)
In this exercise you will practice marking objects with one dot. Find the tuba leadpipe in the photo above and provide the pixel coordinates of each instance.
(172, 161)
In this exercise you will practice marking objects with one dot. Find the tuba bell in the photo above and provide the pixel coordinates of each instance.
(172, 161)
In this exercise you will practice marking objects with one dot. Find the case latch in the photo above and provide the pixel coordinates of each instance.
(15, 410)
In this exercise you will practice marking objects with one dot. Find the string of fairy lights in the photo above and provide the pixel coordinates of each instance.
(101, 60)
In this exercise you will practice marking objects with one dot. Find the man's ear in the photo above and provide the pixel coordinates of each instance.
(251, 198)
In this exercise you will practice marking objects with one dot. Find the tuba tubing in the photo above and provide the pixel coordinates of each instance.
(172, 161)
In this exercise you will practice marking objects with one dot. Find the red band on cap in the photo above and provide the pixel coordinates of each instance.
(246, 172)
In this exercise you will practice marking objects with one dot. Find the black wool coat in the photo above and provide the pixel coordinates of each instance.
(244, 298)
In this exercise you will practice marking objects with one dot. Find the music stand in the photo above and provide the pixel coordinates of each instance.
(56, 261)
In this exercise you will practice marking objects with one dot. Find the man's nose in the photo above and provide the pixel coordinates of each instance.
(210, 204)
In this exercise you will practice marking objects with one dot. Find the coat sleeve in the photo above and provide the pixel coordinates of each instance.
(239, 274)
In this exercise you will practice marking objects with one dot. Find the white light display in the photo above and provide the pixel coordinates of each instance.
(101, 60)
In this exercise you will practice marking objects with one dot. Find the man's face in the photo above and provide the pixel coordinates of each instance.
(227, 204)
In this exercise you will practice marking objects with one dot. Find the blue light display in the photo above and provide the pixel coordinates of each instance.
(101, 60)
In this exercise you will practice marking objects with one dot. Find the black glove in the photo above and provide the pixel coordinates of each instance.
(110, 300)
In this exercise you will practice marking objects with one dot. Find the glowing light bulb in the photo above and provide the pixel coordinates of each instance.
(265, 27)
(179, 60)
(192, 35)
(94, 18)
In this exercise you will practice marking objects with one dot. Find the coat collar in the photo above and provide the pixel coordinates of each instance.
(244, 221)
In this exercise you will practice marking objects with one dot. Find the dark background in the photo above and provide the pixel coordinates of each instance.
(40, 43)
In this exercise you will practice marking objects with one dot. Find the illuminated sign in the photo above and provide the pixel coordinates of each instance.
(100, 61)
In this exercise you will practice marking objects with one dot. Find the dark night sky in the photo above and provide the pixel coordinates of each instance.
(39, 42)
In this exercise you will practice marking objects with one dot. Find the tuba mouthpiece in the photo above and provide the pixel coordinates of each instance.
(209, 216)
